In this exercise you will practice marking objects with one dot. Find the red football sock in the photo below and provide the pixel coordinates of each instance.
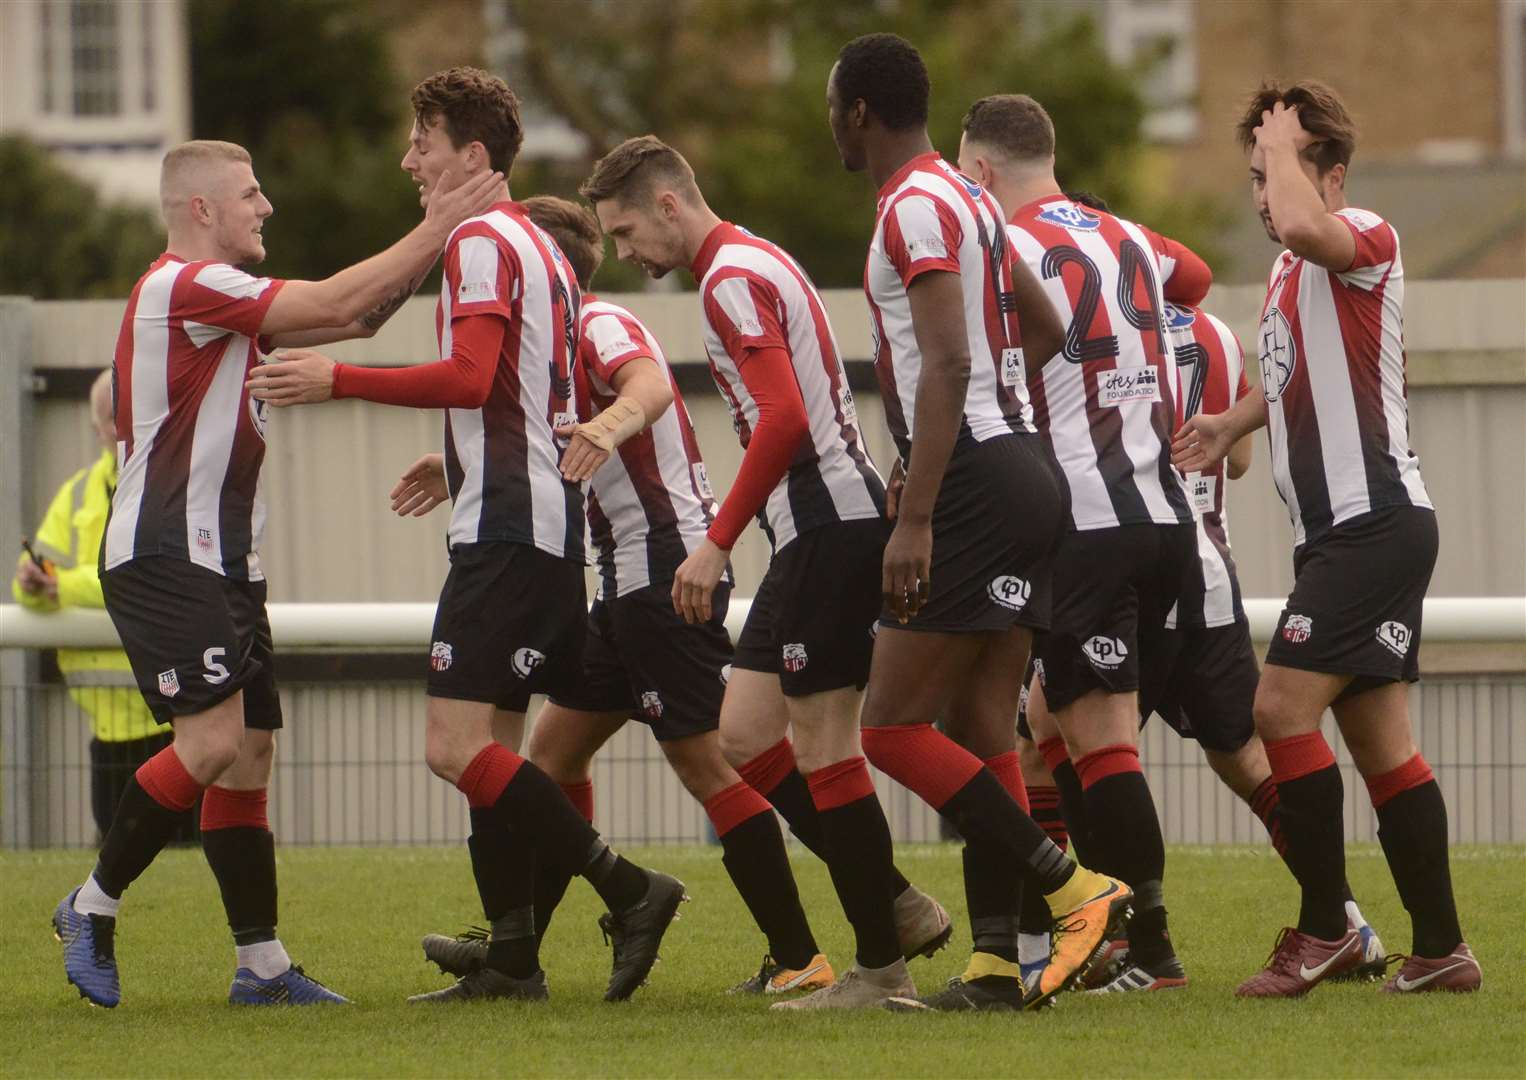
(734, 805)
(165, 779)
(838, 785)
(1411, 774)
(1008, 769)
(1054, 751)
(580, 795)
(770, 768)
(229, 808)
(488, 774)
(1108, 761)
(922, 759)
(1298, 756)
(1045, 810)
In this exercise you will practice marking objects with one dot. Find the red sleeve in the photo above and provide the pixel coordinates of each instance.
(216, 294)
(1376, 241)
(1185, 278)
(769, 376)
(744, 312)
(610, 341)
(461, 382)
(921, 234)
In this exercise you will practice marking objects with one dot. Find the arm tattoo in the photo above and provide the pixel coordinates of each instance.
(373, 319)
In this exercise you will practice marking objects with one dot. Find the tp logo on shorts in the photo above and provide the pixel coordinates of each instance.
(169, 683)
(1394, 636)
(526, 660)
(794, 657)
(439, 656)
(1010, 592)
(651, 704)
(1105, 652)
(1298, 628)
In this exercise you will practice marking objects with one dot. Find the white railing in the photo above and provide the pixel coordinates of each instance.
(1461, 619)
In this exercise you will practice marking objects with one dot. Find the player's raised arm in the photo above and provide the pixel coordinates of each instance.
(362, 290)
(1294, 199)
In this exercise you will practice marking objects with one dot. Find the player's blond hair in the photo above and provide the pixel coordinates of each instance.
(633, 172)
(1321, 112)
(184, 166)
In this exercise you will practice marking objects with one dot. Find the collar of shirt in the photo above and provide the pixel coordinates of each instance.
(1033, 204)
(906, 170)
(706, 254)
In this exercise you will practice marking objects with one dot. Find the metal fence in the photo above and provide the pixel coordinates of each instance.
(350, 771)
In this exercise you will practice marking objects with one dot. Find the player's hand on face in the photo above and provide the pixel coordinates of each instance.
(906, 579)
(582, 458)
(295, 377)
(1201, 443)
(421, 488)
(893, 488)
(451, 203)
(695, 579)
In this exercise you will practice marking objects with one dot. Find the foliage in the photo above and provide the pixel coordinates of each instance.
(741, 89)
(58, 239)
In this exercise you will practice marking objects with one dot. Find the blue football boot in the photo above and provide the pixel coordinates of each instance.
(292, 987)
(90, 958)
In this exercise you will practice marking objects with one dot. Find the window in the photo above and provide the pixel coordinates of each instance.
(95, 57)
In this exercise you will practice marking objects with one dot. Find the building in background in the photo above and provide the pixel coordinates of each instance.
(102, 84)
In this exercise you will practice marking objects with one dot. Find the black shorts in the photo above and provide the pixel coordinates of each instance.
(812, 621)
(1357, 599)
(194, 638)
(999, 515)
(1113, 589)
(1202, 681)
(510, 623)
(643, 660)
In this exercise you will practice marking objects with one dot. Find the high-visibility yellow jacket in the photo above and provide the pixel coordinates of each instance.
(100, 680)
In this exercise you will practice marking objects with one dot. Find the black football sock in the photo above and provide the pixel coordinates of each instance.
(551, 883)
(1073, 810)
(243, 860)
(620, 883)
(503, 864)
(859, 857)
(1311, 813)
(1126, 842)
(993, 891)
(792, 798)
(1412, 827)
(985, 814)
(754, 856)
(140, 829)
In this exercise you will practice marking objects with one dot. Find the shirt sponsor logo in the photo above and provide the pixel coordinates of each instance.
(526, 660)
(1011, 366)
(1122, 386)
(1070, 216)
(1104, 652)
(651, 705)
(1009, 592)
(440, 656)
(1279, 354)
(1179, 317)
(618, 347)
(794, 657)
(749, 326)
(204, 539)
(926, 247)
(1395, 637)
(1297, 629)
(470, 292)
(849, 408)
(169, 683)
(702, 481)
(1202, 489)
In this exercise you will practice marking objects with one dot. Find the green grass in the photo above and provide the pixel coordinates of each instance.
(353, 916)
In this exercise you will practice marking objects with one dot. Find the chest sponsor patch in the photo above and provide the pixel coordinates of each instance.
(1201, 489)
(471, 292)
(1011, 366)
(702, 481)
(1123, 386)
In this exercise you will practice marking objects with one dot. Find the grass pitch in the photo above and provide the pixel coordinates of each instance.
(354, 916)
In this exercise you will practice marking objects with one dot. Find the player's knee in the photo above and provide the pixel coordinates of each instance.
(443, 755)
(210, 752)
(738, 746)
(700, 766)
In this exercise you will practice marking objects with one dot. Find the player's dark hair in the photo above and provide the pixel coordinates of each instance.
(1320, 111)
(887, 73)
(1088, 200)
(575, 230)
(1014, 124)
(473, 106)
(633, 171)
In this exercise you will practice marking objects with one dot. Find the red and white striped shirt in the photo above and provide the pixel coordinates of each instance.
(1333, 372)
(501, 461)
(1212, 368)
(1107, 401)
(649, 504)
(190, 439)
(754, 296)
(931, 217)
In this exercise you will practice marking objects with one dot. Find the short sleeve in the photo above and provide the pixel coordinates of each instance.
(1376, 246)
(610, 341)
(921, 234)
(744, 311)
(482, 276)
(225, 297)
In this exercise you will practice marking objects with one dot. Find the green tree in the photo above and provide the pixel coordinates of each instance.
(310, 89)
(58, 240)
(740, 87)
